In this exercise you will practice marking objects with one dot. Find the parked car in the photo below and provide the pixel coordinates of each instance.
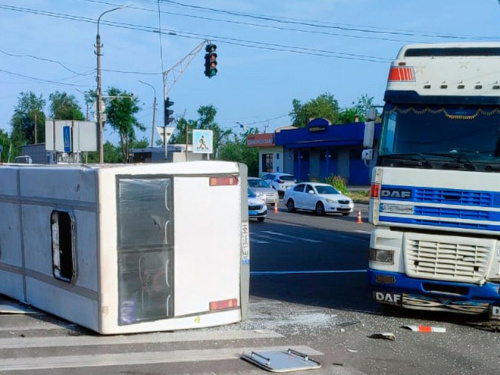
(317, 197)
(263, 190)
(280, 181)
(257, 208)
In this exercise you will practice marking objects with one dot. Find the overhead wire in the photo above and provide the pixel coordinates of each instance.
(230, 40)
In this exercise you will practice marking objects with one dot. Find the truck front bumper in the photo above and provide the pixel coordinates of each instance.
(398, 289)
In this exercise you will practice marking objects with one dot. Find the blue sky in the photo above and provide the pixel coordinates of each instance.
(269, 52)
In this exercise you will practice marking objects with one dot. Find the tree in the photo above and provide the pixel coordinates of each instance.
(5, 143)
(205, 121)
(180, 135)
(64, 107)
(121, 107)
(358, 109)
(27, 113)
(324, 106)
(89, 97)
(239, 151)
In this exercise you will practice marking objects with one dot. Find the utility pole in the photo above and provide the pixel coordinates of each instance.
(154, 114)
(36, 133)
(99, 103)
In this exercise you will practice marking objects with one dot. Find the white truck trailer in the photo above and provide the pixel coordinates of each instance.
(435, 195)
(127, 248)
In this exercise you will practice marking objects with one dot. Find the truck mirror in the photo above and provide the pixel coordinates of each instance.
(369, 134)
(371, 114)
(367, 155)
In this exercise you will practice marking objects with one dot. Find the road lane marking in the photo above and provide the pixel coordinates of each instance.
(257, 241)
(261, 273)
(153, 338)
(268, 237)
(127, 359)
(289, 236)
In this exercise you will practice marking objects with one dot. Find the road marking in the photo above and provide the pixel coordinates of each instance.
(152, 338)
(124, 359)
(257, 241)
(263, 273)
(268, 237)
(293, 237)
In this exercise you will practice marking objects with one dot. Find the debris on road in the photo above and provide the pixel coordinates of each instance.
(383, 335)
(426, 329)
(349, 323)
(281, 361)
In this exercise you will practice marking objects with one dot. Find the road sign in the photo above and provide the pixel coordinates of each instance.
(67, 139)
(83, 135)
(203, 141)
(169, 130)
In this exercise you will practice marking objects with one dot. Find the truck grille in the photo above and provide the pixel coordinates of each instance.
(432, 259)
(449, 196)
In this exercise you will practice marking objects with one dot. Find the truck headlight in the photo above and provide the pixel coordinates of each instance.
(383, 256)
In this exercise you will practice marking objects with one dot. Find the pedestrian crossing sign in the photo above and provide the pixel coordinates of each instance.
(203, 141)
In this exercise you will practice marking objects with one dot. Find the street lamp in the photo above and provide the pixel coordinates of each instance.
(154, 111)
(98, 93)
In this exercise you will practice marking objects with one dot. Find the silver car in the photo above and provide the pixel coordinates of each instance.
(263, 190)
(280, 181)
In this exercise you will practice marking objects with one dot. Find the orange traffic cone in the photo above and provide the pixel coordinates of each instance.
(359, 217)
(276, 208)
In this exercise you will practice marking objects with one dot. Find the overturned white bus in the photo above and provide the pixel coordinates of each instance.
(127, 248)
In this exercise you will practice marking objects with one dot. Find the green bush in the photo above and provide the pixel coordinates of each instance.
(338, 182)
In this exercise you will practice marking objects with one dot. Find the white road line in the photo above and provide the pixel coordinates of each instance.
(257, 241)
(153, 338)
(269, 237)
(293, 237)
(124, 359)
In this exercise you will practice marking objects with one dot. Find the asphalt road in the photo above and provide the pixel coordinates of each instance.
(308, 292)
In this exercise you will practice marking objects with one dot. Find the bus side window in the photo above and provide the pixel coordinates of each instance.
(63, 246)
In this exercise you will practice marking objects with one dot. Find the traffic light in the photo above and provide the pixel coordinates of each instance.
(168, 112)
(210, 60)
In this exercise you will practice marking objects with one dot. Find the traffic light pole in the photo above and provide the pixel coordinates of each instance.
(165, 148)
(176, 72)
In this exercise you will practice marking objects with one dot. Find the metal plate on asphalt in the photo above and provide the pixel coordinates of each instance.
(281, 361)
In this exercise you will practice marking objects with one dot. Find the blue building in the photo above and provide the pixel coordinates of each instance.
(315, 152)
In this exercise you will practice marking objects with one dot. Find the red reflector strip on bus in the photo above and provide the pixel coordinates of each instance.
(375, 191)
(225, 304)
(221, 181)
(402, 74)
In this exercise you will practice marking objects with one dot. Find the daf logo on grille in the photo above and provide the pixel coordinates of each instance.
(395, 193)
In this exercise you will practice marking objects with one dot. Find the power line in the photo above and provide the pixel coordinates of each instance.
(308, 23)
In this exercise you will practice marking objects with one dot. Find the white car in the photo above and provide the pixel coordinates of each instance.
(280, 181)
(263, 190)
(257, 208)
(317, 197)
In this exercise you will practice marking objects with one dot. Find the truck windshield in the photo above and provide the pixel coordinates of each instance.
(467, 136)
